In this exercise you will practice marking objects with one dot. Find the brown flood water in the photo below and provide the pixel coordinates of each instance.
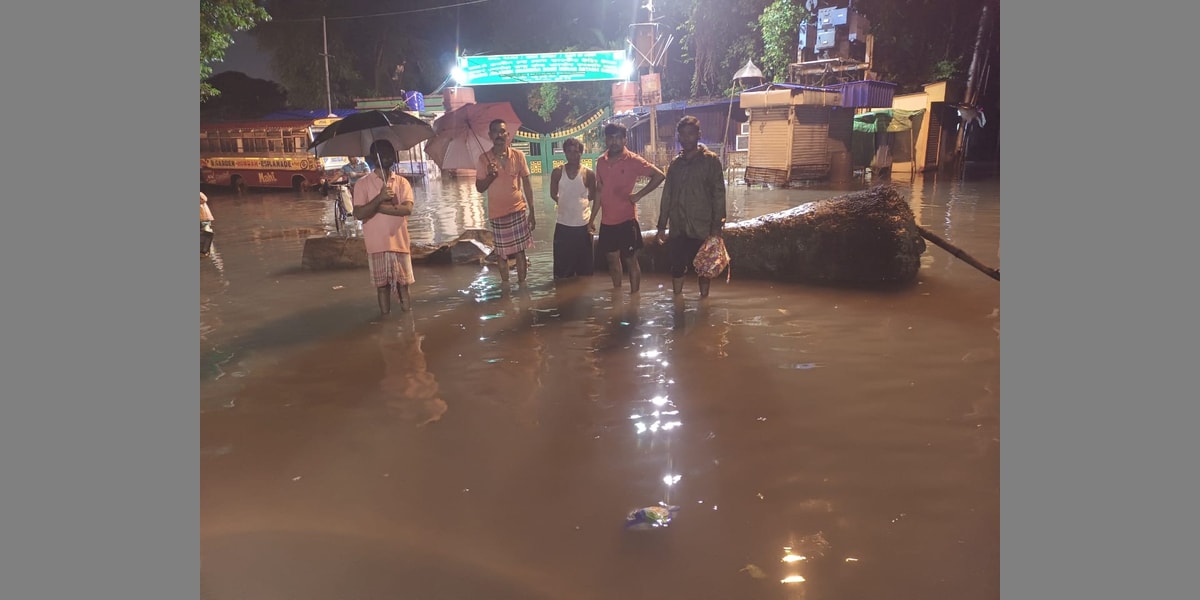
(489, 445)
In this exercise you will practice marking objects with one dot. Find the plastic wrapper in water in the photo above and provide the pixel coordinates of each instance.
(651, 517)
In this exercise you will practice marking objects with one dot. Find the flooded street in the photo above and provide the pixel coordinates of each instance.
(820, 443)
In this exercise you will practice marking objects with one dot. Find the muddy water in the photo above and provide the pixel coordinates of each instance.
(489, 445)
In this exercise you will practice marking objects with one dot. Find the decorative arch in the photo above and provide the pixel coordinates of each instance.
(544, 151)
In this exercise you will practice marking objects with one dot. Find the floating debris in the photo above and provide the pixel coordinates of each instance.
(651, 517)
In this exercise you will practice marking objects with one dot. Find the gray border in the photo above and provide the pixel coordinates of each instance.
(1095, 499)
(99, 430)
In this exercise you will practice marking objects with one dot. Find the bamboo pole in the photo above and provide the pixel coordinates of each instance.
(959, 253)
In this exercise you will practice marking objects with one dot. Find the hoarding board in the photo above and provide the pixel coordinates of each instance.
(547, 67)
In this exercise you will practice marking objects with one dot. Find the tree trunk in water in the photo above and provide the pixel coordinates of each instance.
(869, 237)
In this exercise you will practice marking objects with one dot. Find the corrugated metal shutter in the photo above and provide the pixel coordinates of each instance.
(770, 137)
(933, 144)
(810, 142)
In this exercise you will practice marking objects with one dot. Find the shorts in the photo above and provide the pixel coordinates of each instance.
(623, 237)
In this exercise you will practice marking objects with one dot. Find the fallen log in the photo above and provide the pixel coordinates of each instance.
(866, 237)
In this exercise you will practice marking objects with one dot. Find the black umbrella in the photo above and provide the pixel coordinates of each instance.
(353, 135)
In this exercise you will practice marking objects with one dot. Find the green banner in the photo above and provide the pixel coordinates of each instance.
(551, 67)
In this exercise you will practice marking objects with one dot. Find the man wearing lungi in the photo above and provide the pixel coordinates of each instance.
(382, 203)
(503, 175)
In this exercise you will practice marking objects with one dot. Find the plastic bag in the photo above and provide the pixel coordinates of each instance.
(712, 258)
(651, 517)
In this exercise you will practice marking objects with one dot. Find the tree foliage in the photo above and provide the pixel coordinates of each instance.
(219, 20)
(242, 97)
(920, 41)
(779, 25)
(714, 38)
(365, 43)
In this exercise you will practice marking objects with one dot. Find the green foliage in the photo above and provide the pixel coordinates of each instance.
(564, 104)
(365, 44)
(242, 97)
(780, 27)
(946, 69)
(219, 20)
(715, 38)
(919, 41)
(543, 100)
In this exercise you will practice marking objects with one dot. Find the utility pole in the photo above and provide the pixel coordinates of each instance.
(325, 43)
(971, 97)
(657, 95)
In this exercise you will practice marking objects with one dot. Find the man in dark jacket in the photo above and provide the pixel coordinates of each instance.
(693, 202)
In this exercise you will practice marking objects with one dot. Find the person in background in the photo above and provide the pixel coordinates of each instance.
(617, 171)
(382, 202)
(503, 176)
(693, 203)
(206, 230)
(354, 170)
(573, 189)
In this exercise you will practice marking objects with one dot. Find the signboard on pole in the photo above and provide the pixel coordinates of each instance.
(651, 89)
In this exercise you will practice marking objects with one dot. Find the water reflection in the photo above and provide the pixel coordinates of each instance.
(407, 387)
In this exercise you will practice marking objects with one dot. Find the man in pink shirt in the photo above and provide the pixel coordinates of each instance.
(206, 231)
(617, 172)
(382, 203)
(503, 175)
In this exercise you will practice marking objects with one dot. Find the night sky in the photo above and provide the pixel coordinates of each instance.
(244, 56)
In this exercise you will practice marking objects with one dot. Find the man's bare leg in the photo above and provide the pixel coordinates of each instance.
(502, 264)
(522, 268)
(677, 285)
(405, 298)
(384, 296)
(614, 268)
(704, 281)
(635, 273)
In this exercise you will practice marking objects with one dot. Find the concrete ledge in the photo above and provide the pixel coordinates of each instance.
(336, 252)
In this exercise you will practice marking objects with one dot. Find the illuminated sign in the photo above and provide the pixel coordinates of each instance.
(542, 68)
(251, 162)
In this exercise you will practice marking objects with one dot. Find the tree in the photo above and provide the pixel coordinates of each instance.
(242, 97)
(780, 27)
(920, 41)
(365, 44)
(219, 20)
(714, 47)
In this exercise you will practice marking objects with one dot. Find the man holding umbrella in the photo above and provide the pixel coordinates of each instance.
(382, 203)
(503, 175)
